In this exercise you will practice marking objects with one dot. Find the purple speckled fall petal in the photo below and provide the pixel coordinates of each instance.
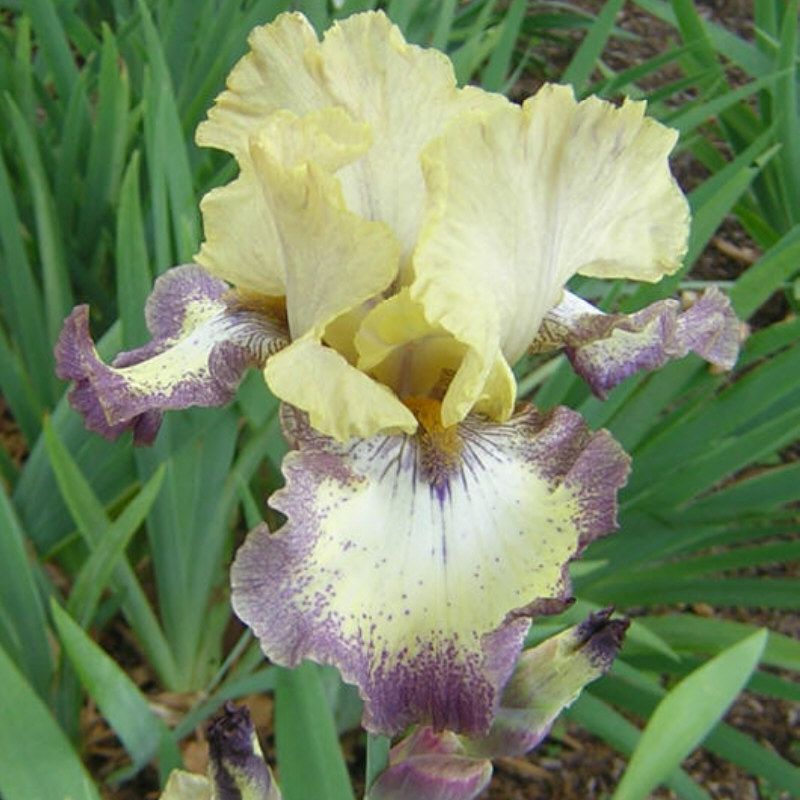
(548, 678)
(414, 563)
(432, 766)
(204, 338)
(607, 348)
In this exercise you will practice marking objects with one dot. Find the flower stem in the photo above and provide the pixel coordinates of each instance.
(377, 756)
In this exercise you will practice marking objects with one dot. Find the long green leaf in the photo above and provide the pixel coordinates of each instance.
(37, 761)
(21, 604)
(134, 280)
(583, 62)
(98, 568)
(693, 634)
(494, 75)
(122, 704)
(686, 714)
(93, 523)
(309, 756)
(603, 721)
(109, 135)
(53, 41)
(21, 299)
(57, 293)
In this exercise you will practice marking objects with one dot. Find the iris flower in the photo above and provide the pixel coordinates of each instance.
(392, 245)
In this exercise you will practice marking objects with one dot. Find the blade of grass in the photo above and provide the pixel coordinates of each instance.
(749, 497)
(58, 300)
(186, 534)
(788, 117)
(688, 633)
(467, 58)
(377, 757)
(22, 70)
(444, 24)
(96, 571)
(26, 721)
(21, 604)
(109, 135)
(309, 756)
(690, 117)
(74, 134)
(580, 68)
(168, 146)
(21, 299)
(493, 78)
(18, 392)
(53, 42)
(687, 714)
(603, 721)
(697, 475)
(141, 732)
(761, 279)
(93, 523)
(134, 280)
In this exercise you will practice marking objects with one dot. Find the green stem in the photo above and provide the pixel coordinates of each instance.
(377, 757)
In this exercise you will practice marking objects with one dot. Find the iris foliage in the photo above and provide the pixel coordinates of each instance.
(99, 182)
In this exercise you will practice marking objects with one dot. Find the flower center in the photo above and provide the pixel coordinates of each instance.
(440, 446)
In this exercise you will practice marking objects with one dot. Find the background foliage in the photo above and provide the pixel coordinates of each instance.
(99, 183)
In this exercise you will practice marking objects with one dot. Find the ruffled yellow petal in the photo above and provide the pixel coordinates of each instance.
(245, 240)
(242, 245)
(334, 260)
(279, 72)
(341, 401)
(562, 187)
(407, 94)
(397, 345)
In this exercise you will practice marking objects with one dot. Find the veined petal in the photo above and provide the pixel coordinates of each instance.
(280, 72)
(406, 94)
(413, 563)
(563, 187)
(250, 238)
(340, 399)
(204, 338)
(431, 765)
(607, 348)
(334, 260)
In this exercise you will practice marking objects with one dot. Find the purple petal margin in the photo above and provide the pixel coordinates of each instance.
(236, 764)
(288, 586)
(547, 679)
(607, 348)
(204, 338)
(431, 766)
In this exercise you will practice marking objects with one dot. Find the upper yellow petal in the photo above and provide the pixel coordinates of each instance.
(279, 72)
(523, 198)
(242, 244)
(406, 94)
(341, 401)
(334, 260)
